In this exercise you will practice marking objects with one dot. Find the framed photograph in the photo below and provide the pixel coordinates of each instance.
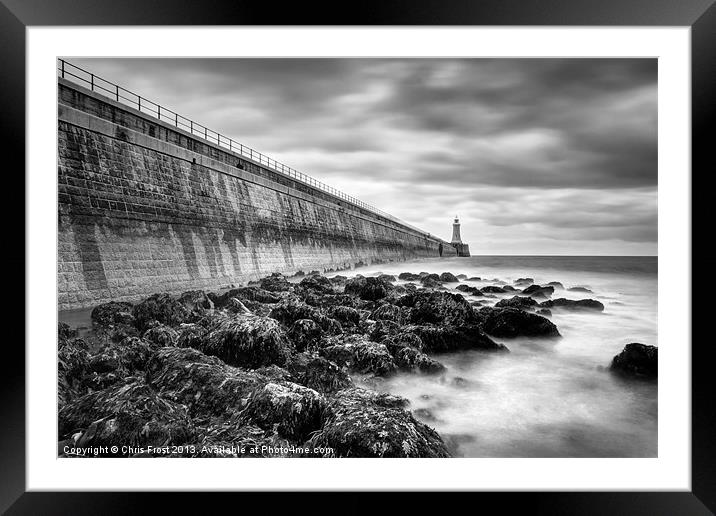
(429, 248)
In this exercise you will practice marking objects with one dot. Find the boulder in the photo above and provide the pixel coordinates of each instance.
(440, 308)
(386, 278)
(492, 289)
(571, 304)
(441, 339)
(382, 329)
(319, 373)
(469, 290)
(276, 282)
(544, 312)
(65, 332)
(361, 355)
(317, 283)
(637, 361)
(161, 335)
(555, 284)
(128, 414)
(462, 276)
(290, 310)
(448, 277)
(584, 290)
(394, 343)
(346, 315)
(247, 341)
(408, 276)
(410, 359)
(520, 302)
(293, 410)
(511, 322)
(363, 423)
(369, 289)
(539, 291)
(191, 336)
(305, 334)
(523, 282)
(161, 308)
(196, 301)
(388, 312)
(250, 293)
(72, 365)
(114, 312)
(205, 385)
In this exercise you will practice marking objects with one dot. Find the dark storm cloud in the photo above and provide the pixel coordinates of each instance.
(550, 149)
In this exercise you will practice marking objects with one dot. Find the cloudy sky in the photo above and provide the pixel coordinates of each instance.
(536, 156)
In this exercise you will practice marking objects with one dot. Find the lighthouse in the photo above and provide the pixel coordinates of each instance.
(456, 242)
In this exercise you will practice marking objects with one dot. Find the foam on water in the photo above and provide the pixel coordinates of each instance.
(547, 398)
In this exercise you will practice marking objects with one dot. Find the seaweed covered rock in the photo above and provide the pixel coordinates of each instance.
(523, 282)
(396, 342)
(305, 334)
(637, 360)
(408, 276)
(388, 312)
(389, 278)
(381, 329)
(290, 310)
(113, 312)
(555, 284)
(410, 359)
(319, 373)
(247, 341)
(131, 414)
(366, 424)
(206, 385)
(65, 332)
(441, 308)
(317, 283)
(441, 339)
(448, 277)
(276, 282)
(369, 289)
(197, 302)
(538, 291)
(191, 336)
(512, 322)
(583, 290)
(469, 290)
(346, 315)
(161, 335)
(361, 355)
(162, 308)
(492, 289)
(72, 365)
(250, 293)
(520, 302)
(293, 410)
(232, 438)
(571, 304)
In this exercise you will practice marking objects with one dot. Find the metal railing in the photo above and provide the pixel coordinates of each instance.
(80, 76)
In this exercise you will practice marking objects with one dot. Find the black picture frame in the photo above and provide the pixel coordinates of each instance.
(699, 15)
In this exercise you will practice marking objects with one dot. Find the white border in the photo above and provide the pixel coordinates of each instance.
(670, 471)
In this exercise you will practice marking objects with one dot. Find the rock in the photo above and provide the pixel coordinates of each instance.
(571, 304)
(291, 310)
(206, 385)
(161, 335)
(386, 278)
(114, 312)
(520, 302)
(425, 415)
(196, 302)
(305, 334)
(361, 355)
(580, 289)
(511, 322)
(545, 312)
(128, 357)
(234, 306)
(410, 359)
(346, 315)
(474, 278)
(65, 332)
(395, 343)
(440, 308)
(162, 308)
(318, 284)
(538, 291)
(366, 424)
(319, 373)
(250, 293)
(72, 365)
(431, 283)
(462, 276)
(469, 290)
(637, 360)
(247, 341)
(522, 282)
(293, 410)
(441, 339)
(383, 328)
(492, 289)
(128, 414)
(555, 284)
(389, 312)
(448, 277)
(191, 336)
(370, 289)
(408, 276)
(276, 282)
(509, 288)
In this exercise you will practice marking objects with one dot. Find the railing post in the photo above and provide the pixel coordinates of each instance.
(159, 112)
(117, 85)
(176, 119)
(191, 126)
(139, 103)
(92, 81)
(63, 67)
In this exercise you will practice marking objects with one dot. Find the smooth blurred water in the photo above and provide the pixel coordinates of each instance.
(547, 398)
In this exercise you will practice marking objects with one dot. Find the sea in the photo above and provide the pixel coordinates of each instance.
(547, 397)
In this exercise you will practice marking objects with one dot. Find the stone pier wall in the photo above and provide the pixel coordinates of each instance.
(145, 207)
